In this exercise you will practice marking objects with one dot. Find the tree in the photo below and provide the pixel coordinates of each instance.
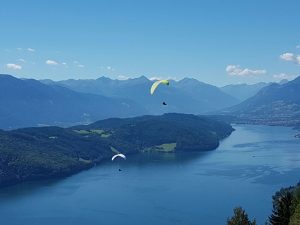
(295, 208)
(240, 217)
(282, 207)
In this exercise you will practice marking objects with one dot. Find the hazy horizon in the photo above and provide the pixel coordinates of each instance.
(150, 79)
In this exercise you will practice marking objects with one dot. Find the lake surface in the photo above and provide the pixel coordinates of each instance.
(168, 189)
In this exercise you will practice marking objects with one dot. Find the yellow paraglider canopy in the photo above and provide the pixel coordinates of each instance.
(155, 85)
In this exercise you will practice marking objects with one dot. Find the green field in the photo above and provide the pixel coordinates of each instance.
(167, 147)
(102, 133)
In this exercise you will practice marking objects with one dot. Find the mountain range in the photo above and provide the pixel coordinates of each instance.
(275, 104)
(185, 96)
(243, 91)
(28, 102)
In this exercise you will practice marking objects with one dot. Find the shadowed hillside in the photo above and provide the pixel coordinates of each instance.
(31, 103)
(276, 104)
(38, 153)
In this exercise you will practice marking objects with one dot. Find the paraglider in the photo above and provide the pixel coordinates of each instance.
(156, 83)
(164, 103)
(118, 155)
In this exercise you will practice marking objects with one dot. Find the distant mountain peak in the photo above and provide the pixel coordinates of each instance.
(296, 80)
(188, 79)
(137, 80)
(103, 78)
(144, 77)
(7, 76)
(283, 81)
(141, 78)
(243, 91)
(192, 81)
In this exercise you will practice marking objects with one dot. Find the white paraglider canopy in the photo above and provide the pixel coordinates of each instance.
(118, 155)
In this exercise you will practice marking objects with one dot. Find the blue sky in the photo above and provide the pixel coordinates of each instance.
(218, 42)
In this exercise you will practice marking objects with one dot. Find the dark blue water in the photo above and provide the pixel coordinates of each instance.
(168, 189)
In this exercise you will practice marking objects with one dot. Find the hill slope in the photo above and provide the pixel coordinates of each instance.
(38, 153)
(274, 104)
(30, 103)
(243, 91)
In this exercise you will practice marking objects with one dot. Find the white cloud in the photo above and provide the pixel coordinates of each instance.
(110, 68)
(75, 62)
(298, 46)
(282, 76)
(13, 66)
(107, 68)
(291, 57)
(30, 49)
(21, 60)
(65, 64)
(51, 62)
(287, 56)
(80, 66)
(121, 77)
(236, 70)
(156, 78)
(163, 78)
(19, 49)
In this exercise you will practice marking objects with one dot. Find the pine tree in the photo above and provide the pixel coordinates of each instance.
(240, 217)
(282, 208)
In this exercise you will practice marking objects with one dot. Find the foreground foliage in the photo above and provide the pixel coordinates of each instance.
(286, 209)
(240, 217)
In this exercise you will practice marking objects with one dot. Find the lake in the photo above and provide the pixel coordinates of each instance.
(168, 189)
